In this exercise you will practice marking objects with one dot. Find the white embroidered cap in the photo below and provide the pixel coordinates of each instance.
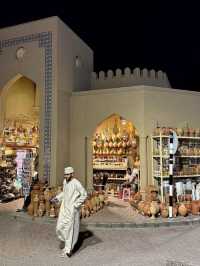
(68, 170)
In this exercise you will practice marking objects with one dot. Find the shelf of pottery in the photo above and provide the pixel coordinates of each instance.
(20, 135)
(186, 171)
(110, 157)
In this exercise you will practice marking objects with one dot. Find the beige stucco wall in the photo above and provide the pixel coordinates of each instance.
(88, 109)
(20, 99)
(32, 67)
(70, 78)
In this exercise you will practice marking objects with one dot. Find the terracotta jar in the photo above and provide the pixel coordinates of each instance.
(153, 195)
(97, 202)
(30, 209)
(154, 209)
(93, 202)
(163, 131)
(182, 210)
(188, 205)
(141, 205)
(41, 197)
(162, 206)
(41, 209)
(52, 212)
(87, 212)
(146, 209)
(195, 207)
(179, 131)
(164, 212)
(197, 132)
(36, 187)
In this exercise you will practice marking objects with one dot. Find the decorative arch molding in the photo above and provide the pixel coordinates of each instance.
(44, 40)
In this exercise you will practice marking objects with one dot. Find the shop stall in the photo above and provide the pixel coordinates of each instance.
(115, 149)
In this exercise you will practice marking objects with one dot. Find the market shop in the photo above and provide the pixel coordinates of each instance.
(19, 137)
(53, 107)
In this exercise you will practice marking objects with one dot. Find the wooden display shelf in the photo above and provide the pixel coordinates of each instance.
(179, 137)
(110, 168)
(177, 176)
(104, 155)
(178, 156)
(15, 146)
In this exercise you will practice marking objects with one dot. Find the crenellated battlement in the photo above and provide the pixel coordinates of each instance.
(127, 78)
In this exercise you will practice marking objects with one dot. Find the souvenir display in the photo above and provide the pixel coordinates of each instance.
(115, 148)
(19, 141)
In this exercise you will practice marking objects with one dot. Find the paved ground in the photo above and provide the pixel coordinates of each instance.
(26, 243)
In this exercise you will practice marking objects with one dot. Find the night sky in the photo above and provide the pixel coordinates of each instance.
(152, 34)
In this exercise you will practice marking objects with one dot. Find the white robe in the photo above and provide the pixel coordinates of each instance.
(68, 223)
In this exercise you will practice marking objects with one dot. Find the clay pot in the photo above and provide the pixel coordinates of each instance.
(137, 196)
(141, 205)
(41, 197)
(97, 202)
(52, 212)
(30, 209)
(164, 212)
(41, 209)
(36, 187)
(93, 202)
(191, 132)
(110, 144)
(162, 206)
(123, 144)
(153, 196)
(146, 209)
(197, 132)
(182, 210)
(188, 205)
(87, 212)
(186, 131)
(154, 209)
(195, 207)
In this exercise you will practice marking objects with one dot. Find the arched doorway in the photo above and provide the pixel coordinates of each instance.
(19, 136)
(115, 148)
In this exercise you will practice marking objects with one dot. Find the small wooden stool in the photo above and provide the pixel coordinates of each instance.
(126, 195)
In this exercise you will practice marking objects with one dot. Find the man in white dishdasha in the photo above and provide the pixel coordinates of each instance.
(71, 199)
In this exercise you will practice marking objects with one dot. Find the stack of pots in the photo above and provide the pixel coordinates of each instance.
(94, 202)
(40, 201)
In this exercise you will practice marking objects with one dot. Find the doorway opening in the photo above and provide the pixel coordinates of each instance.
(19, 138)
(115, 149)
